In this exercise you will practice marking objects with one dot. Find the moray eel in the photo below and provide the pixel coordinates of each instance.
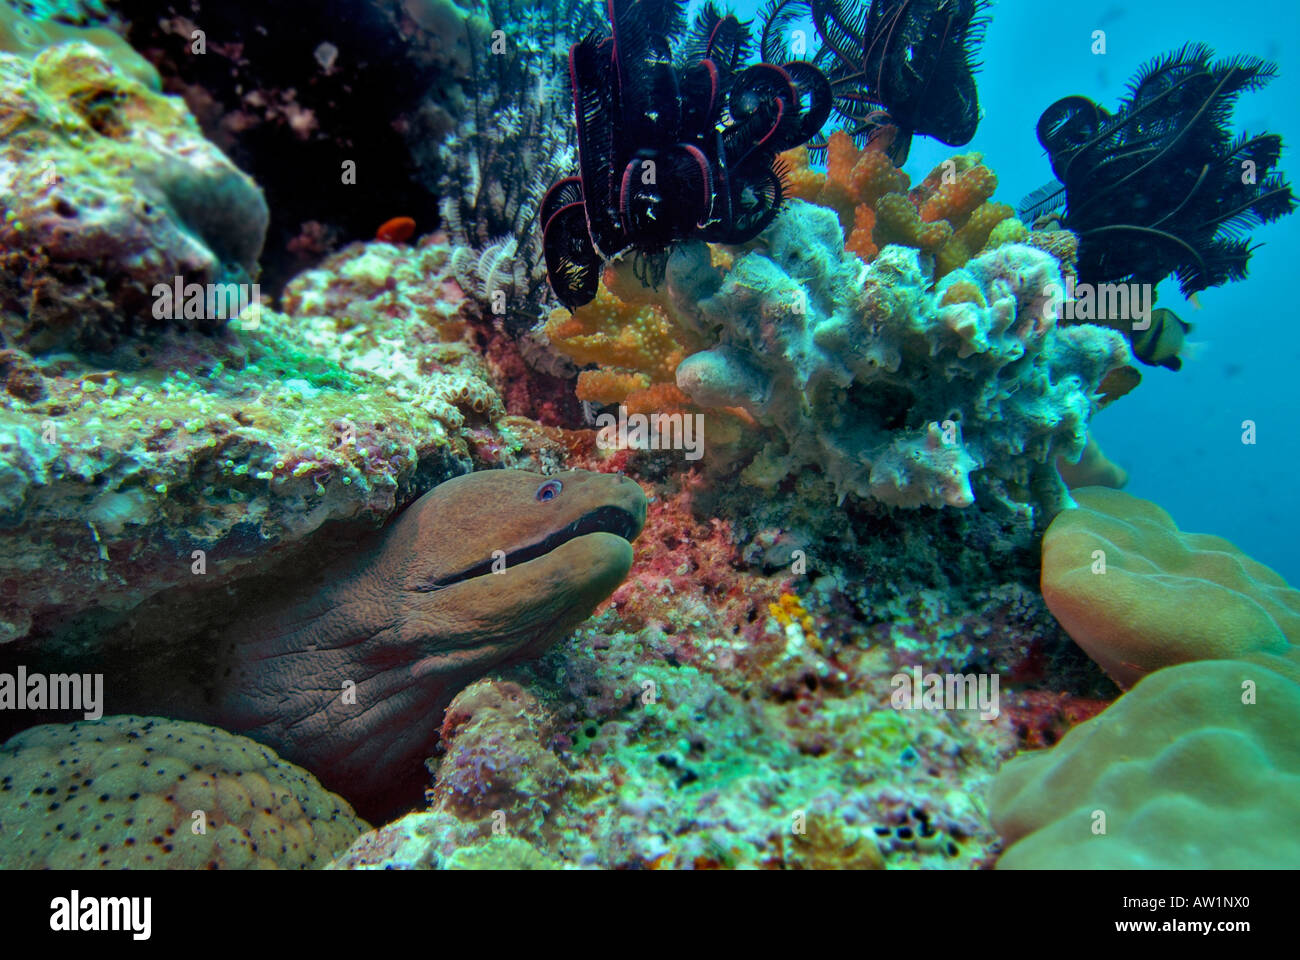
(351, 681)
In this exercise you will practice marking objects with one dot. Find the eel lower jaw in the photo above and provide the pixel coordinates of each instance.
(472, 625)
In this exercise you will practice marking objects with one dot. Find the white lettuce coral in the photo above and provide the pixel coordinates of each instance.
(898, 392)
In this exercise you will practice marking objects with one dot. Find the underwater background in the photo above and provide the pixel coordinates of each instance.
(1181, 438)
(479, 434)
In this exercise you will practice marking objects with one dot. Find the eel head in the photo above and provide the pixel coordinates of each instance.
(484, 570)
(498, 565)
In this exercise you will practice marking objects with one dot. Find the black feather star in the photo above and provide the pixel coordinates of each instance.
(672, 146)
(1161, 186)
(907, 64)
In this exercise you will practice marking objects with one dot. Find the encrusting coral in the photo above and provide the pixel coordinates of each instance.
(1138, 594)
(151, 793)
(26, 28)
(1197, 767)
(688, 723)
(495, 744)
(896, 391)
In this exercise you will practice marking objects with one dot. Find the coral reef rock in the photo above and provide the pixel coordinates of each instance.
(220, 452)
(109, 189)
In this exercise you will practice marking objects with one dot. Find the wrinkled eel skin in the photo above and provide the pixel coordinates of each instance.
(415, 618)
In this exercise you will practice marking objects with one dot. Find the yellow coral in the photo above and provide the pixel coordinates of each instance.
(789, 609)
(963, 291)
(1010, 230)
(609, 386)
(801, 181)
(898, 222)
(957, 197)
(975, 234)
(634, 337)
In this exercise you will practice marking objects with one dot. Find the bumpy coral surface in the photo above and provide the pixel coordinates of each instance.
(1139, 594)
(358, 398)
(109, 189)
(495, 741)
(897, 392)
(150, 793)
(1197, 767)
(26, 28)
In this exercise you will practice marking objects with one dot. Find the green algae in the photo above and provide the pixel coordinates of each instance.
(274, 358)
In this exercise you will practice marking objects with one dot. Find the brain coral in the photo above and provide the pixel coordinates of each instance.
(1138, 594)
(1198, 766)
(896, 391)
(124, 791)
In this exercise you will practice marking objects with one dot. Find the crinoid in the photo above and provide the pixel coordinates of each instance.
(671, 145)
(907, 64)
(1162, 186)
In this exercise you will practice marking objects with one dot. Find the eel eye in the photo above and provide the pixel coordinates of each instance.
(549, 490)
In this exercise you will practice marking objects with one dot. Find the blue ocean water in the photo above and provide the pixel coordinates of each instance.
(1179, 434)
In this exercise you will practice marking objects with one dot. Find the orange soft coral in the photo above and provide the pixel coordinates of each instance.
(801, 181)
(658, 398)
(853, 177)
(947, 215)
(898, 222)
(632, 337)
(860, 240)
(954, 189)
(609, 386)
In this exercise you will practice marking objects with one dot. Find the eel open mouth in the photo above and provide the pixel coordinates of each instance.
(605, 519)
